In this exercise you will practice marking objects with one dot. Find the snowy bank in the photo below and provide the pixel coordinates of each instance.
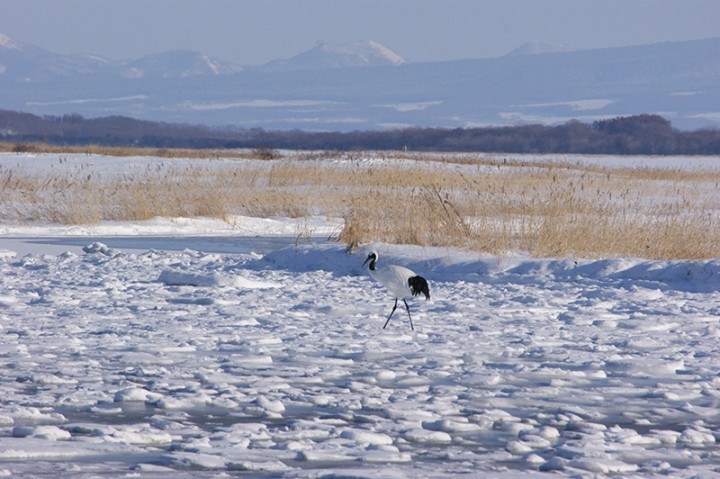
(444, 264)
(232, 225)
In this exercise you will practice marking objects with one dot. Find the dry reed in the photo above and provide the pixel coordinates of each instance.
(547, 209)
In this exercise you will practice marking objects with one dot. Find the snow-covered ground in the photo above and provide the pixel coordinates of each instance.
(43, 163)
(198, 352)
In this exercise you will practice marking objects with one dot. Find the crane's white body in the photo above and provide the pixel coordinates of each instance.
(395, 279)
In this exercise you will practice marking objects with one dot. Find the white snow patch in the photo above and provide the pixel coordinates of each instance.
(576, 105)
(260, 103)
(83, 101)
(417, 106)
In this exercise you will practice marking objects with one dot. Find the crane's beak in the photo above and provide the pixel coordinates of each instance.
(366, 260)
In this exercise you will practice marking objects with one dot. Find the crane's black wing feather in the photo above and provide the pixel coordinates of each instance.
(419, 285)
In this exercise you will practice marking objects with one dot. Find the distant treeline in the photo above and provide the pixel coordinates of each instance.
(631, 135)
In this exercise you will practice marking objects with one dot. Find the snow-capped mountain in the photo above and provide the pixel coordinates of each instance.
(538, 48)
(27, 63)
(325, 56)
(180, 63)
(8, 43)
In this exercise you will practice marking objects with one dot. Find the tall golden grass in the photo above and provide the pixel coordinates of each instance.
(544, 208)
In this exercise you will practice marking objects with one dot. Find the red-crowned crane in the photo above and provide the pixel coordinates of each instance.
(400, 281)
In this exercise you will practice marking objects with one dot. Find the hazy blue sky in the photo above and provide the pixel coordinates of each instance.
(256, 31)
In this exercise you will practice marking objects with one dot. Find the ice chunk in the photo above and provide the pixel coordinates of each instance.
(603, 466)
(274, 406)
(694, 436)
(51, 433)
(385, 375)
(459, 425)
(554, 464)
(366, 437)
(99, 248)
(518, 447)
(136, 394)
(142, 434)
(425, 436)
(266, 466)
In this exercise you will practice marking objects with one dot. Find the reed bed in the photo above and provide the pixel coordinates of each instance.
(117, 151)
(548, 209)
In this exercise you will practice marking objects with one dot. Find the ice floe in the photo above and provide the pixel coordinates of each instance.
(194, 364)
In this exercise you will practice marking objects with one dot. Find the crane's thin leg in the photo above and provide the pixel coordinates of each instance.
(391, 313)
(408, 310)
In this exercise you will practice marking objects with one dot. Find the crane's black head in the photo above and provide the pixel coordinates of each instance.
(372, 257)
(418, 285)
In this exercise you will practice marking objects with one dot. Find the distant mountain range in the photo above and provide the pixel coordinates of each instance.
(367, 86)
(22, 63)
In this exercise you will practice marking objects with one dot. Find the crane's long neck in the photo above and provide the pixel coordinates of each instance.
(372, 264)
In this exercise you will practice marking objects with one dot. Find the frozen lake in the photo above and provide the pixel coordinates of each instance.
(195, 363)
(23, 245)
